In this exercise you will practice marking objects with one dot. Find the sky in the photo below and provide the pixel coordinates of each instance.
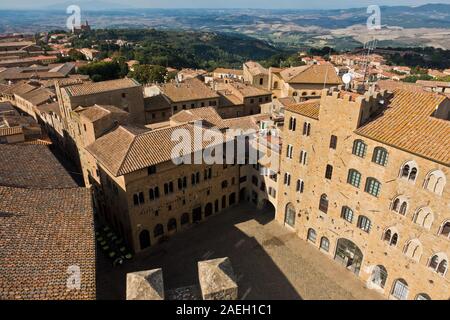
(270, 4)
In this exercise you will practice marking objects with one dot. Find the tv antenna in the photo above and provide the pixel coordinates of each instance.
(370, 46)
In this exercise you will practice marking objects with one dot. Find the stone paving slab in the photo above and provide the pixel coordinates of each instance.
(270, 261)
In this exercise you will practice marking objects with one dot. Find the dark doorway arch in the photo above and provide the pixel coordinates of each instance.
(197, 214)
(184, 218)
(144, 239)
(232, 199)
(208, 209)
(242, 195)
(158, 231)
(172, 225)
(224, 202)
(349, 255)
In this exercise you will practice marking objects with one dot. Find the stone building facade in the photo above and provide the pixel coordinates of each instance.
(363, 178)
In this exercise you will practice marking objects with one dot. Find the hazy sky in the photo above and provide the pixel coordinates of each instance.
(300, 4)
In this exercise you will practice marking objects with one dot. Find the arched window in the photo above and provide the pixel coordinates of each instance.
(400, 289)
(323, 203)
(325, 244)
(373, 186)
(438, 263)
(423, 296)
(435, 182)
(359, 148)
(292, 123)
(295, 94)
(413, 249)
(144, 239)
(306, 128)
(172, 224)
(312, 236)
(445, 229)
(347, 214)
(391, 236)
(275, 85)
(424, 217)
(380, 156)
(409, 171)
(158, 231)
(403, 208)
(354, 178)
(289, 216)
(364, 223)
(184, 218)
(379, 276)
(400, 205)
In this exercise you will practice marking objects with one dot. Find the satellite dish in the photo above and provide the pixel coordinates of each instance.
(347, 78)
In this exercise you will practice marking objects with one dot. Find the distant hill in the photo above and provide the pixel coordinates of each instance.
(193, 49)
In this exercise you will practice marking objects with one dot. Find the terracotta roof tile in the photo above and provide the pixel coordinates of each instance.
(98, 87)
(316, 74)
(191, 89)
(308, 108)
(32, 166)
(41, 236)
(408, 124)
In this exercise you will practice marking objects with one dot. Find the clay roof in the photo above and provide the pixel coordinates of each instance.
(32, 166)
(426, 83)
(19, 88)
(156, 102)
(49, 108)
(10, 131)
(308, 108)
(408, 124)
(208, 114)
(287, 101)
(38, 96)
(247, 122)
(98, 112)
(125, 150)
(41, 236)
(99, 87)
(236, 72)
(316, 74)
(391, 85)
(189, 90)
(255, 68)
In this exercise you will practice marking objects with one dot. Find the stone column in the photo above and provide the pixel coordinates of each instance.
(145, 285)
(217, 280)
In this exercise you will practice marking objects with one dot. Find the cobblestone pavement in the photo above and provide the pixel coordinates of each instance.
(270, 261)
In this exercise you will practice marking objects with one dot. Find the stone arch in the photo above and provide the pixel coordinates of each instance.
(158, 230)
(391, 236)
(172, 224)
(208, 209)
(439, 263)
(444, 230)
(144, 239)
(424, 217)
(289, 215)
(349, 255)
(435, 182)
(184, 218)
(400, 289)
(379, 276)
(413, 249)
(409, 171)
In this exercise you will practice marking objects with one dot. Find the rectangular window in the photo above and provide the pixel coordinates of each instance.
(373, 187)
(333, 142)
(329, 172)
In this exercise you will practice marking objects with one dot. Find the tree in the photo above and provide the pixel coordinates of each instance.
(101, 71)
(146, 73)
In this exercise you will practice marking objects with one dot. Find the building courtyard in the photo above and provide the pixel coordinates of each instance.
(270, 261)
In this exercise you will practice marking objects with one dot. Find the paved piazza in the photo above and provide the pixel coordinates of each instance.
(270, 261)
